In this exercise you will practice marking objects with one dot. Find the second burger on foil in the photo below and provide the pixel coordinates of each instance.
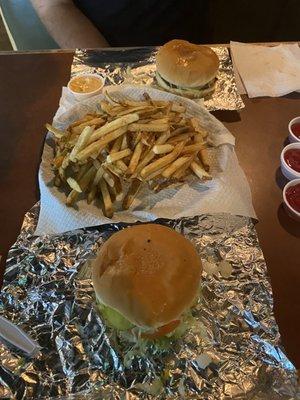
(187, 69)
(146, 278)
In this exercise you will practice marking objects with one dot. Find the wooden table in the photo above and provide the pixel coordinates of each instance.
(30, 89)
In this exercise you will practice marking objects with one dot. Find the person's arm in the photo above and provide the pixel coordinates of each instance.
(68, 26)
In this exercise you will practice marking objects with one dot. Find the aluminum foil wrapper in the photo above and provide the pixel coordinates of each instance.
(231, 351)
(137, 66)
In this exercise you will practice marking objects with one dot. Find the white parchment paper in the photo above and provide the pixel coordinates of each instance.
(228, 191)
(267, 70)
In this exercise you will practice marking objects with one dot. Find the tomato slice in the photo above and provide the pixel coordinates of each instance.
(161, 331)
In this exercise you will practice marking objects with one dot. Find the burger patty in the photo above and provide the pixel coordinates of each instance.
(195, 92)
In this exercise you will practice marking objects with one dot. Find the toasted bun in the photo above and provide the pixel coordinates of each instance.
(149, 273)
(186, 64)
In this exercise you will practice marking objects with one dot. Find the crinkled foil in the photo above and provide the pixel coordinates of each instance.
(137, 66)
(233, 350)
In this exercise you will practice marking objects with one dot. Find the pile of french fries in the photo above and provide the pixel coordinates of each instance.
(126, 144)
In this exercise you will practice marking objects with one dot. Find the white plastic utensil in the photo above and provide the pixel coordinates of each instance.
(17, 337)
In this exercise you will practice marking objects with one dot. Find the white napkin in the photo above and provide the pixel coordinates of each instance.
(267, 71)
(228, 191)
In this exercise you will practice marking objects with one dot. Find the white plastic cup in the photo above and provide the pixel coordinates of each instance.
(85, 95)
(293, 213)
(293, 138)
(287, 171)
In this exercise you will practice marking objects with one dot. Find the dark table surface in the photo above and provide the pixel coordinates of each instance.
(30, 89)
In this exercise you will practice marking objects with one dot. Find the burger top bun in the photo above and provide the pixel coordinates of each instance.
(149, 273)
(186, 64)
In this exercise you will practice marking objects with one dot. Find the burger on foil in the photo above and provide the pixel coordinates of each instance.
(186, 69)
(146, 278)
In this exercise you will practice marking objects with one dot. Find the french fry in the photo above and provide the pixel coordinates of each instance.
(118, 156)
(74, 184)
(92, 194)
(128, 102)
(198, 138)
(117, 145)
(162, 162)
(97, 163)
(136, 139)
(199, 171)
(113, 126)
(107, 203)
(154, 174)
(112, 193)
(112, 110)
(147, 139)
(183, 170)
(83, 169)
(198, 128)
(131, 194)
(162, 148)
(135, 158)
(135, 127)
(164, 120)
(122, 166)
(87, 178)
(180, 138)
(108, 178)
(98, 176)
(61, 173)
(57, 181)
(106, 107)
(114, 170)
(92, 122)
(174, 166)
(150, 155)
(83, 183)
(72, 197)
(58, 160)
(205, 158)
(178, 131)
(124, 143)
(118, 184)
(193, 148)
(163, 185)
(177, 108)
(163, 138)
(137, 109)
(58, 133)
(96, 147)
(66, 162)
(82, 120)
(81, 142)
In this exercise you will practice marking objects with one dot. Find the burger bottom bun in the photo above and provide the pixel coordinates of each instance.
(187, 92)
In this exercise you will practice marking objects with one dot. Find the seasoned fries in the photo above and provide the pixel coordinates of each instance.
(107, 156)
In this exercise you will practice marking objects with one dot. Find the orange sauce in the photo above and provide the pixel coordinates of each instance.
(85, 84)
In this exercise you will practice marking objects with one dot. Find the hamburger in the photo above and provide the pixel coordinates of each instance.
(146, 276)
(186, 69)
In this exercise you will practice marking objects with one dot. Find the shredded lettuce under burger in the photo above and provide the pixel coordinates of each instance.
(113, 318)
(117, 321)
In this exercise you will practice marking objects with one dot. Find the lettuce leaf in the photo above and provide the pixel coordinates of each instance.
(113, 318)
